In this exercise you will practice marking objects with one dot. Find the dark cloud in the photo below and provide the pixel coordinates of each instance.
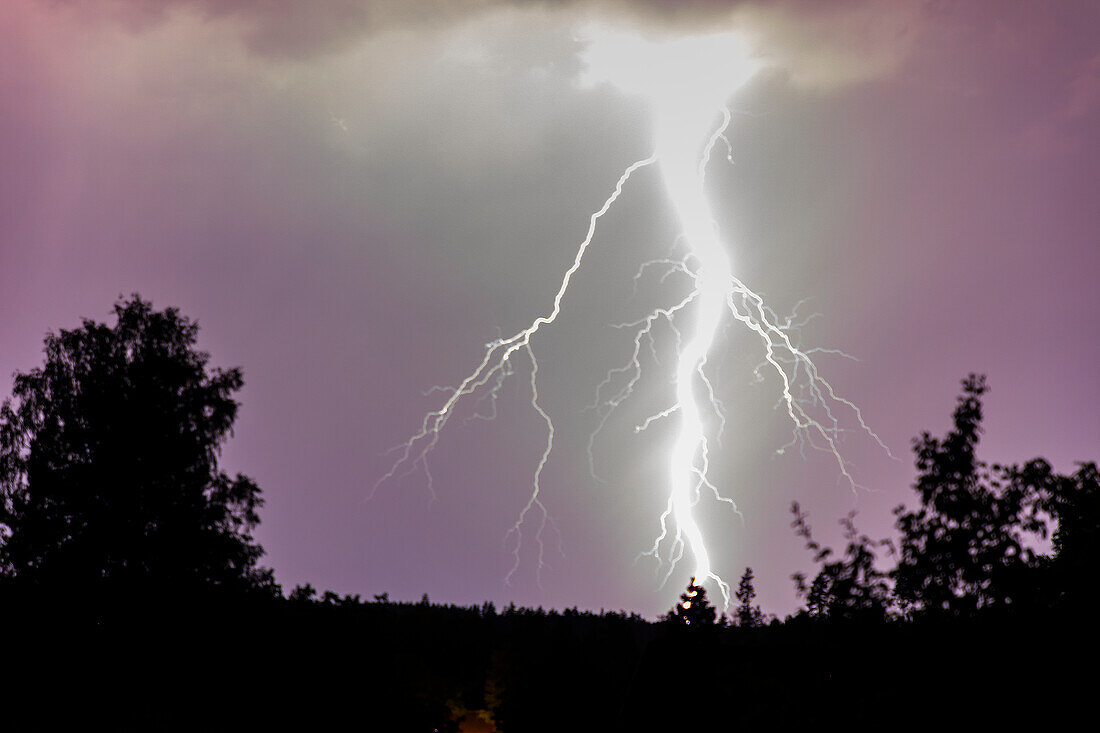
(821, 44)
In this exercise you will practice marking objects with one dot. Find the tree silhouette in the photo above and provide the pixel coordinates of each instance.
(1068, 578)
(693, 609)
(109, 462)
(851, 587)
(969, 545)
(748, 615)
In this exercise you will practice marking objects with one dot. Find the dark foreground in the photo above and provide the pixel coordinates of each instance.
(282, 664)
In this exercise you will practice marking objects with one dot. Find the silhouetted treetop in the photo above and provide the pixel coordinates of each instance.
(693, 609)
(972, 543)
(109, 461)
(969, 545)
(748, 615)
(851, 587)
(1068, 578)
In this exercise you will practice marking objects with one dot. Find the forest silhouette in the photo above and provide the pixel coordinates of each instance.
(132, 595)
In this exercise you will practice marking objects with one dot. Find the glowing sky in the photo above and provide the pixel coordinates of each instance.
(352, 202)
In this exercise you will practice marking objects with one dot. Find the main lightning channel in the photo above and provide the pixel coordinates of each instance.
(682, 172)
(686, 82)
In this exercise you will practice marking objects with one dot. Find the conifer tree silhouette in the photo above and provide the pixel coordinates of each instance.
(693, 609)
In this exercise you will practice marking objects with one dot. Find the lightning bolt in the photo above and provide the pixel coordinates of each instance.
(686, 94)
(494, 366)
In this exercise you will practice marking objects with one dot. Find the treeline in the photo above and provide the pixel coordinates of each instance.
(132, 595)
(255, 663)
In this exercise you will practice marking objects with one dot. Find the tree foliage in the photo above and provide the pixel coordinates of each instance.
(748, 615)
(109, 462)
(851, 587)
(1067, 578)
(970, 544)
(694, 609)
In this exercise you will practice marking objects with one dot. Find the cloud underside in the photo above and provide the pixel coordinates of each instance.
(817, 44)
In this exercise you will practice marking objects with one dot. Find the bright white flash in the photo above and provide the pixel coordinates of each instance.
(686, 83)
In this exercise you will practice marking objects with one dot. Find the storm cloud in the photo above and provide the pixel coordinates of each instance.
(819, 44)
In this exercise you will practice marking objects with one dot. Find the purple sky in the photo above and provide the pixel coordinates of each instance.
(351, 203)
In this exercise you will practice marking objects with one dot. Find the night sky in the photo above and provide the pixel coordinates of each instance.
(351, 202)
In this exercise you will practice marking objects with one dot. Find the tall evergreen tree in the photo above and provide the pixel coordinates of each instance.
(694, 609)
(748, 615)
